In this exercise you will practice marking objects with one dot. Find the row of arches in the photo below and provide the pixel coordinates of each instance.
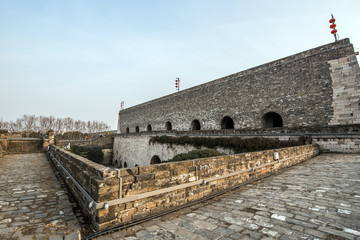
(269, 120)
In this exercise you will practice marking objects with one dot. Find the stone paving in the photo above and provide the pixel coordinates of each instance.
(318, 199)
(32, 203)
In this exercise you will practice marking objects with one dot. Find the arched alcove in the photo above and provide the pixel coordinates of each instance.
(155, 160)
(125, 164)
(149, 128)
(272, 120)
(137, 129)
(168, 126)
(195, 125)
(227, 123)
(127, 130)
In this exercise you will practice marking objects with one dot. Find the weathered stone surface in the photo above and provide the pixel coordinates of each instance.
(32, 202)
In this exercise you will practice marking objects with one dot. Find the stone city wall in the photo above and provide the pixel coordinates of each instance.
(135, 150)
(339, 143)
(318, 87)
(125, 195)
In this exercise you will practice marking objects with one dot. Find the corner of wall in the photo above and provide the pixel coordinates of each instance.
(345, 75)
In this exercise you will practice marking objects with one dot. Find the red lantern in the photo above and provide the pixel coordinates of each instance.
(333, 26)
(177, 82)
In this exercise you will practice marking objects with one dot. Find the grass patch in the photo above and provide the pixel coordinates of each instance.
(197, 153)
(238, 145)
(92, 153)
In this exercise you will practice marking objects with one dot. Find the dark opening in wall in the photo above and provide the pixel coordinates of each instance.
(227, 123)
(149, 128)
(272, 120)
(168, 126)
(125, 164)
(195, 125)
(155, 160)
(127, 130)
(137, 129)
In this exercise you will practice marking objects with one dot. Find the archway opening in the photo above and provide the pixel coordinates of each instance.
(127, 130)
(155, 160)
(168, 126)
(227, 123)
(125, 164)
(137, 129)
(195, 125)
(272, 120)
(149, 128)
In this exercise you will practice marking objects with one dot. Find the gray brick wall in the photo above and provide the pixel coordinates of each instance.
(300, 88)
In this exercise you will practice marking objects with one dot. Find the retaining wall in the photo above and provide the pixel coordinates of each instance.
(339, 143)
(125, 195)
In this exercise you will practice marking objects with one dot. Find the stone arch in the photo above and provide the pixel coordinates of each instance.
(149, 128)
(195, 125)
(137, 129)
(168, 125)
(155, 160)
(227, 123)
(125, 164)
(127, 130)
(272, 120)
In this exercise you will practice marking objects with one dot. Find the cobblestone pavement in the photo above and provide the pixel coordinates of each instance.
(32, 202)
(318, 199)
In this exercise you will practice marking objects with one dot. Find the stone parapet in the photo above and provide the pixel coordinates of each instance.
(88, 181)
(110, 197)
(22, 145)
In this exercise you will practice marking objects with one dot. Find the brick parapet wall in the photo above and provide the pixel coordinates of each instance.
(104, 142)
(95, 180)
(151, 189)
(20, 145)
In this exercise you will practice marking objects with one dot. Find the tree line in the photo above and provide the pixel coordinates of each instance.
(32, 123)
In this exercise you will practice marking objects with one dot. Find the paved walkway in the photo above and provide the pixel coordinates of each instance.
(318, 199)
(32, 203)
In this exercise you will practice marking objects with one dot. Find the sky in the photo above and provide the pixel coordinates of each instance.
(81, 58)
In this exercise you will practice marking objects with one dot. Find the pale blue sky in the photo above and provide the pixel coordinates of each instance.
(80, 59)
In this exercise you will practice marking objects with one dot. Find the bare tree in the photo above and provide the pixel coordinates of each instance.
(2, 124)
(60, 125)
(30, 122)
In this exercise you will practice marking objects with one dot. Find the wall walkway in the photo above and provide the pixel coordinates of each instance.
(32, 203)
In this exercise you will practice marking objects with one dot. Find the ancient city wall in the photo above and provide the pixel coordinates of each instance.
(135, 150)
(318, 87)
(111, 197)
(338, 143)
(20, 145)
